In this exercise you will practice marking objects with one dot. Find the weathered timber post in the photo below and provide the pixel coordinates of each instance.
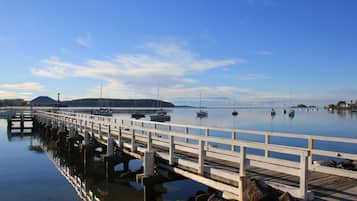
(304, 175)
(242, 173)
(207, 135)
(100, 131)
(187, 133)
(310, 148)
(234, 138)
(267, 142)
(149, 163)
(92, 131)
(149, 143)
(133, 145)
(201, 156)
(110, 146)
(86, 137)
(120, 143)
(72, 132)
(171, 150)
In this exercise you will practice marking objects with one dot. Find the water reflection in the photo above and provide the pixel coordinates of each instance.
(89, 179)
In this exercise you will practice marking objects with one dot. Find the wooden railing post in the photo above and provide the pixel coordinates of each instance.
(100, 131)
(171, 149)
(142, 128)
(207, 135)
(92, 130)
(149, 145)
(267, 142)
(133, 146)
(310, 148)
(119, 137)
(242, 173)
(201, 156)
(234, 138)
(304, 175)
(187, 132)
(109, 131)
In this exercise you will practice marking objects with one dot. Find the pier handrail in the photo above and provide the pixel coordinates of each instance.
(133, 134)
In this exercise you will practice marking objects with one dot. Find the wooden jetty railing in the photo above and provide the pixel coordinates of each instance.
(200, 154)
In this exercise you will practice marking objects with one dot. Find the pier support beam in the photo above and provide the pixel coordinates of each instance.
(149, 163)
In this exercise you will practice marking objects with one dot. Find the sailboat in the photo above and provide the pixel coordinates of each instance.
(161, 115)
(137, 114)
(201, 113)
(272, 113)
(102, 111)
(292, 114)
(235, 112)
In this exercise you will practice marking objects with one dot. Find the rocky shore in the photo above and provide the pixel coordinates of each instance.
(257, 190)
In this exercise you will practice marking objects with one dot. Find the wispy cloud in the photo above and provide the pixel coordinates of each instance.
(26, 86)
(265, 52)
(169, 66)
(128, 75)
(85, 40)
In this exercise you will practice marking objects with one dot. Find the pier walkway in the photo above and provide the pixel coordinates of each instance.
(218, 157)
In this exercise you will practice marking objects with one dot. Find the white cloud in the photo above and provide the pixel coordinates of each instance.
(135, 75)
(265, 53)
(33, 86)
(85, 40)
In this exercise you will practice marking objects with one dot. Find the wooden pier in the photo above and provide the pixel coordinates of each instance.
(216, 157)
(20, 122)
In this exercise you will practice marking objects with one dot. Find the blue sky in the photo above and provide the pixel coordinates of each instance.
(247, 52)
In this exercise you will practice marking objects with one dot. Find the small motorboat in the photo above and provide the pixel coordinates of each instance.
(235, 113)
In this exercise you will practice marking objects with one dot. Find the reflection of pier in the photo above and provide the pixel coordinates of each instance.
(79, 186)
(219, 162)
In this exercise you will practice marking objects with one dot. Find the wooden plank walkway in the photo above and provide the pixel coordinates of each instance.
(217, 161)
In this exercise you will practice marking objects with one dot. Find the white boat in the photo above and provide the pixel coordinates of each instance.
(201, 113)
(160, 116)
(103, 112)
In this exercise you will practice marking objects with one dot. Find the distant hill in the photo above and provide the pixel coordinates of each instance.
(43, 101)
(106, 102)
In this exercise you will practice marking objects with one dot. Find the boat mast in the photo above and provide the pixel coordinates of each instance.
(200, 101)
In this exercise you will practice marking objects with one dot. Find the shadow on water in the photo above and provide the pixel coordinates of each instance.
(89, 177)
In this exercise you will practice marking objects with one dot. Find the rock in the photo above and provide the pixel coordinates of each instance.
(286, 197)
(347, 164)
(259, 191)
(214, 197)
(331, 163)
(202, 197)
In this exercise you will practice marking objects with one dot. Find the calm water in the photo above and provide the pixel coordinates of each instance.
(30, 175)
